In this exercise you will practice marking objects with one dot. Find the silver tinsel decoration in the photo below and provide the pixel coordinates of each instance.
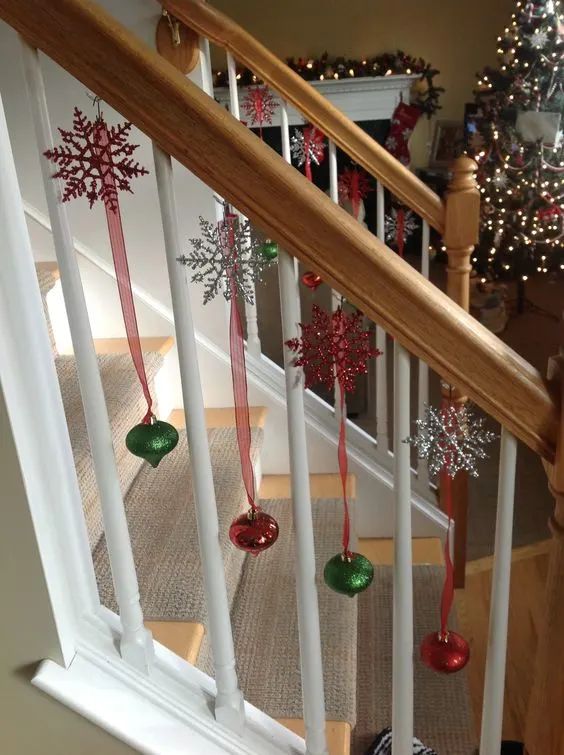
(452, 439)
(226, 258)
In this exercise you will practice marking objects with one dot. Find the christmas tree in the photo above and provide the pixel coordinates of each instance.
(516, 139)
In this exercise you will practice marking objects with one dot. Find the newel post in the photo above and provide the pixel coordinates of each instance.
(544, 733)
(462, 222)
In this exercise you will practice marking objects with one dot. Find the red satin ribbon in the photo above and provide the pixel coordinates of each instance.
(239, 378)
(343, 469)
(400, 230)
(447, 597)
(123, 278)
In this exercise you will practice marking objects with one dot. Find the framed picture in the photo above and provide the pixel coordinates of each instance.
(448, 143)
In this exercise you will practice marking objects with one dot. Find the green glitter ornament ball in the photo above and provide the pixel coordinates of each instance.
(152, 441)
(349, 573)
(269, 250)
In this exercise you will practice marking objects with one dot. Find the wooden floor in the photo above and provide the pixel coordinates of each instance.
(528, 577)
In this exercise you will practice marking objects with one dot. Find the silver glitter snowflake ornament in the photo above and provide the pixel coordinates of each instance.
(227, 259)
(307, 145)
(394, 222)
(452, 439)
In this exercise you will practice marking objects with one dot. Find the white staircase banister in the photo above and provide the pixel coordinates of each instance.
(136, 642)
(382, 433)
(402, 653)
(306, 590)
(494, 683)
(229, 701)
(251, 315)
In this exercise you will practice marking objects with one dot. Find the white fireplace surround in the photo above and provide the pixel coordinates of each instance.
(361, 99)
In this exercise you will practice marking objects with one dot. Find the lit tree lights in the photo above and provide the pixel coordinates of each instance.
(518, 144)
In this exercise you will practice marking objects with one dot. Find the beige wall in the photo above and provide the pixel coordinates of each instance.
(31, 723)
(457, 36)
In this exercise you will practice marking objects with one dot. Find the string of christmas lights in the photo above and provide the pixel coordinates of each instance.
(519, 146)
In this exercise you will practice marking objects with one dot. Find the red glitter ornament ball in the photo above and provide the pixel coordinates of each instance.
(446, 652)
(311, 280)
(253, 531)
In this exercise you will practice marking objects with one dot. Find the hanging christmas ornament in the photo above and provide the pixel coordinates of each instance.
(451, 439)
(95, 161)
(446, 653)
(228, 265)
(404, 120)
(152, 441)
(354, 186)
(269, 250)
(253, 531)
(400, 224)
(259, 106)
(228, 257)
(348, 573)
(333, 350)
(308, 146)
(311, 280)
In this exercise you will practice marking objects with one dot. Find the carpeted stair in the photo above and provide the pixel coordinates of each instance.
(265, 624)
(162, 524)
(126, 407)
(443, 711)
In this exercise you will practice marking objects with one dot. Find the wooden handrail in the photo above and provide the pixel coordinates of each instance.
(223, 153)
(223, 31)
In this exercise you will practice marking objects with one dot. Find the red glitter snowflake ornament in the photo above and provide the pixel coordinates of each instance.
(95, 160)
(354, 186)
(333, 347)
(259, 106)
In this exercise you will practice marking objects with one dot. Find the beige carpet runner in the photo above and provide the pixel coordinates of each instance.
(162, 525)
(265, 624)
(443, 713)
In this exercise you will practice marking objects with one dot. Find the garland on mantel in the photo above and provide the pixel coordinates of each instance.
(424, 92)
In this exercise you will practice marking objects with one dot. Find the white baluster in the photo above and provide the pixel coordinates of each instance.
(207, 87)
(335, 295)
(382, 434)
(306, 590)
(206, 66)
(402, 676)
(253, 340)
(229, 701)
(136, 642)
(423, 381)
(492, 711)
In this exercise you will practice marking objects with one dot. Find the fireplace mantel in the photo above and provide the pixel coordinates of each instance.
(362, 99)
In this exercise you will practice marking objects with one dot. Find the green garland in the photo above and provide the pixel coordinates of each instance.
(390, 63)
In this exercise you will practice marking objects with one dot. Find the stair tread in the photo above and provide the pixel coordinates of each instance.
(222, 417)
(162, 525)
(265, 627)
(126, 407)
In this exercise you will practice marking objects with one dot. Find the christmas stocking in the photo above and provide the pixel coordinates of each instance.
(404, 120)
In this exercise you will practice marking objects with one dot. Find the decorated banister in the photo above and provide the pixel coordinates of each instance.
(365, 151)
(231, 160)
(462, 221)
(544, 733)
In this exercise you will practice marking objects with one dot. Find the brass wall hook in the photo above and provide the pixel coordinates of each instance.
(177, 43)
(174, 26)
